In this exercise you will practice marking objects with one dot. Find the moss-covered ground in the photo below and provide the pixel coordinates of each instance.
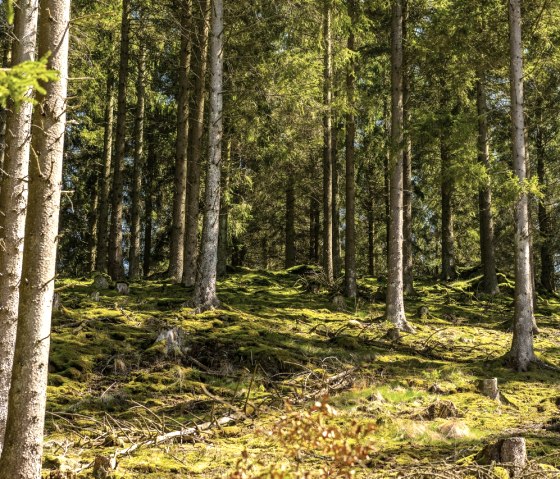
(274, 341)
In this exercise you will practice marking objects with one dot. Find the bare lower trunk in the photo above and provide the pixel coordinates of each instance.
(490, 280)
(223, 242)
(448, 268)
(205, 287)
(105, 182)
(350, 287)
(13, 201)
(395, 297)
(337, 262)
(176, 247)
(371, 242)
(21, 457)
(196, 132)
(134, 259)
(314, 228)
(290, 248)
(116, 230)
(408, 264)
(327, 144)
(521, 353)
(93, 218)
(151, 163)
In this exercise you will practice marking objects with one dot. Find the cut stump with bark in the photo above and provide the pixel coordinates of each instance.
(510, 453)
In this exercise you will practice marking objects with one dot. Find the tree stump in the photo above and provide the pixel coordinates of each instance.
(510, 453)
(122, 288)
(489, 387)
(100, 282)
(423, 312)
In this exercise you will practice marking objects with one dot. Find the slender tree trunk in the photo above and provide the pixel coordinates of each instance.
(548, 276)
(134, 259)
(176, 248)
(395, 297)
(448, 268)
(23, 445)
(290, 248)
(408, 264)
(490, 280)
(105, 183)
(6, 62)
(386, 182)
(371, 242)
(350, 287)
(196, 133)
(149, 205)
(205, 287)
(13, 200)
(521, 353)
(93, 219)
(328, 265)
(337, 261)
(223, 242)
(116, 230)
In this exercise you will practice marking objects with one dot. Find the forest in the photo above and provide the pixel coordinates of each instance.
(279, 239)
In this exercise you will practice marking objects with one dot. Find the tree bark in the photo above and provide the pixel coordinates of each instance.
(101, 264)
(290, 248)
(13, 200)
(490, 280)
(337, 261)
(134, 259)
(521, 353)
(448, 268)
(177, 244)
(395, 298)
(350, 287)
(6, 35)
(21, 457)
(116, 231)
(196, 131)
(371, 242)
(151, 163)
(93, 218)
(408, 264)
(328, 265)
(223, 242)
(205, 296)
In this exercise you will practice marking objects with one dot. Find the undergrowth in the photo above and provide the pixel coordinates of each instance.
(276, 341)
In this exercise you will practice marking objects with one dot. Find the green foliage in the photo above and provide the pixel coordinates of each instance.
(17, 82)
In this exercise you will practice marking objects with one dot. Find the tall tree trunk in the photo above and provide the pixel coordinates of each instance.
(6, 35)
(93, 218)
(408, 264)
(116, 230)
(151, 163)
(448, 269)
(371, 242)
(490, 280)
(328, 265)
(395, 297)
(386, 181)
(223, 242)
(350, 287)
(205, 287)
(290, 248)
(548, 276)
(337, 261)
(23, 445)
(176, 248)
(134, 259)
(521, 353)
(196, 132)
(13, 200)
(101, 264)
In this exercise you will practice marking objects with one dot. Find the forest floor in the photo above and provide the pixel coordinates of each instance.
(281, 343)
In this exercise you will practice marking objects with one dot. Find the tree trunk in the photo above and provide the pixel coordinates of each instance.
(521, 353)
(386, 181)
(13, 200)
(328, 265)
(337, 262)
(448, 268)
(490, 280)
(23, 445)
(395, 297)
(151, 163)
(350, 287)
(116, 230)
(205, 287)
(223, 246)
(105, 183)
(177, 244)
(6, 35)
(196, 131)
(408, 276)
(290, 248)
(134, 259)
(371, 242)
(93, 218)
